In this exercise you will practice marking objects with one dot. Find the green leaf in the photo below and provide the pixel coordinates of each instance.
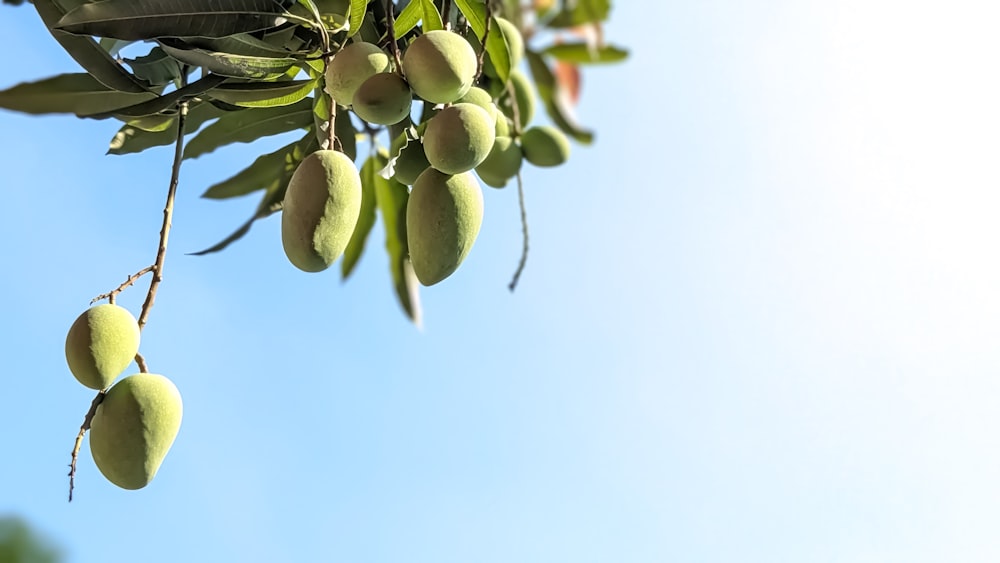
(151, 19)
(164, 102)
(430, 17)
(249, 125)
(266, 172)
(262, 94)
(88, 53)
(239, 44)
(582, 12)
(498, 48)
(391, 198)
(357, 13)
(581, 53)
(548, 92)
(132, 139)
(408, 18)
(271, 201)
(356, 246)
(475, 14)
(156, 68)
(78, 93)
(228, 64)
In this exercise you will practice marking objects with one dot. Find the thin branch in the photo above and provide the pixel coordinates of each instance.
(390, 25)
(110, 296)
(141, 362)
(446, 14)
(87, 419)
(486, 36)
(524, 233)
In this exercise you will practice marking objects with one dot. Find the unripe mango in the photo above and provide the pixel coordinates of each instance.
(443, 217)
(134, 427)
(320, 210)
(100, 344)
(478, 96)
(524, 94)
(502, 164)
(440, 66)
(383, 99)
(350, 67)
(545, 146)
(459, 138)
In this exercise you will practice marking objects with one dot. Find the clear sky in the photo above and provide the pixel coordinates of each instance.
(759, 322)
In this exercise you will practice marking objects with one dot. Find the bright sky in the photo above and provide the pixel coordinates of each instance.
(759, 322)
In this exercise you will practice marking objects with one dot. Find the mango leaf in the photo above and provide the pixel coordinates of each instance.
(262, 94)
(264, 174)
(164, 102)
(582, 53)
(498, 48)
(273, 196)
(153, 123)
(239, 44)
(88, 53)
(391, 198)
(357, 14)
(430, 16)
(356, 246)
(475, 14)
(227, 64)
(131, 139)
(249, 125)
(581, 12)
(151, 19)
(408, 18)
(156, 68)
(554, 104)
(78, 93)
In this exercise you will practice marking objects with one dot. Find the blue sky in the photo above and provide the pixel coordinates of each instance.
(759, 322)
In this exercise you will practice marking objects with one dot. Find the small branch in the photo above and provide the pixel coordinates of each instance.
(141, 362)
(87, 419)
(168, 214)
(524, 233)
(446, 14)
(110, 296)
(486, 36)
(390, 24)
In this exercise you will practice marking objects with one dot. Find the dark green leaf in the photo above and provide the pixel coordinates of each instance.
(151, 19)
(164, 102)
(356, 246)
(131, 139)
(581, 53)
(498, 48)
(78, 93)
(262, 94)
(391, 197)
(582, 12)
(227, 64)
(249, 125)
(548, 92)
(475, 14)
(88, 53)
(357, 13)
(157, 68)
(273, 197)
(239, 44)
(266, 173)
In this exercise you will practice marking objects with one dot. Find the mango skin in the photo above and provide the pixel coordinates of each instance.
(320, 210)
(101, 343)
(502, 164)
(440, 66)
(459, 138)
(350, 67)
(443, 218)
(383, 99)
(134, 427)
(545, 146)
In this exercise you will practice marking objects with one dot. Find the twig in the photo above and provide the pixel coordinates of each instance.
(390, 26)
(87, 419)
(110, 296)
(156, 269)
(524, 233)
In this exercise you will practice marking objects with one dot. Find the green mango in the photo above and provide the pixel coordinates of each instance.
(440, 66)
(101, 343)
(443, 217)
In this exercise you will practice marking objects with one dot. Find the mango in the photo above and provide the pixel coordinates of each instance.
(443, 218)
(545, 146)
(350, 67)
(459, 138)
(502, 164)
(383, 99)
(440, 66)
(101, 343)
